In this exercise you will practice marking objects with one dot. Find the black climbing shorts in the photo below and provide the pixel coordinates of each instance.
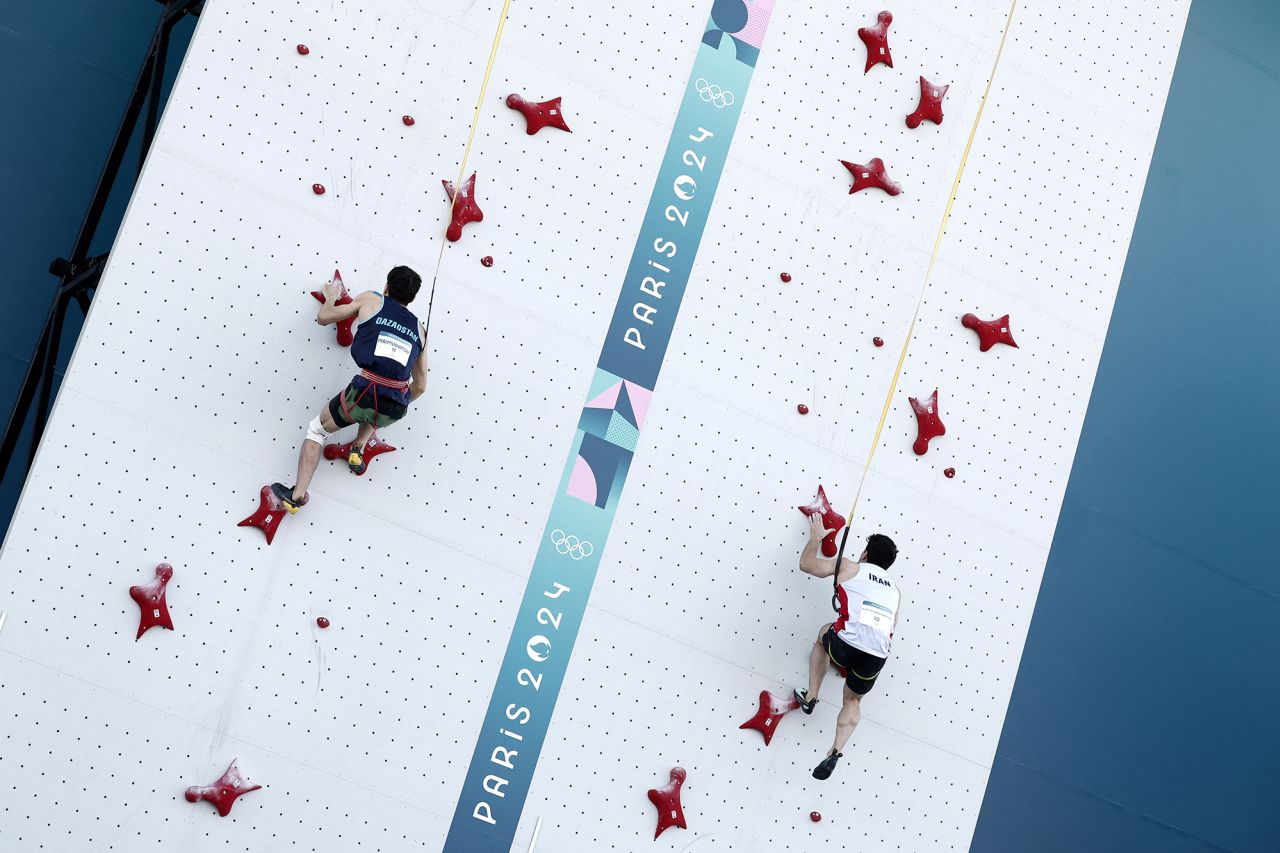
(861, 668)
(360, 408)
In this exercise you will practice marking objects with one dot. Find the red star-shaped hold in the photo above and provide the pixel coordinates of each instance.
(222, 793)
(990, 332)
(667, 799)
(464, 210)
(871, 175)
(345, 335)
(539, 114)
(877, 41)
(270, 513)
(772, 709)
(927, 420)
(152, 602)
(930, 106)
(373, 448)
(831, 520)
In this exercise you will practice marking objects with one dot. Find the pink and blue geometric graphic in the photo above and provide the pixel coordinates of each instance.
(608, 429)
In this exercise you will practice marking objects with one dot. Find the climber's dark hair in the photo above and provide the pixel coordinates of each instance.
(881, 551)
(403, 284)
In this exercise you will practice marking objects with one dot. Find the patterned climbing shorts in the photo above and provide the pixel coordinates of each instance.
(360, 408)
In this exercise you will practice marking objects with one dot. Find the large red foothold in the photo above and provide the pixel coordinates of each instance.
(373, 448)
(464, 210)
(831, 520)
(667, 799)
(538, 115)
(151, 600)
(222, 793)
(345, 335)
(928, 421)
(772, 709)
(990, 332)
(871, 176)
(930, 106)
(876, 38)
(270, 513)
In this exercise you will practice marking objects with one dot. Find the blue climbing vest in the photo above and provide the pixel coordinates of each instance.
(387, 344)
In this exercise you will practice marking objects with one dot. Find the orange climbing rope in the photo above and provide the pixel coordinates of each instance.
(937, 243)
(466, 152)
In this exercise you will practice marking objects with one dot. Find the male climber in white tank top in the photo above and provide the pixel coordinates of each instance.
(857, 643)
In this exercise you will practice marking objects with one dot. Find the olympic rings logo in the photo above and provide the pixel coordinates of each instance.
(712, 93)
(576, 548)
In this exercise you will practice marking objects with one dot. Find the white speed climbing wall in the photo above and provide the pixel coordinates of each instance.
(200, 363)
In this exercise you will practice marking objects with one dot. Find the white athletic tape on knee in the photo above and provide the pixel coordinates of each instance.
(316, 432)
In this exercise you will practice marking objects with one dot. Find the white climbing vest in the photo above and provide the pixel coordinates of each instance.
(868, 607)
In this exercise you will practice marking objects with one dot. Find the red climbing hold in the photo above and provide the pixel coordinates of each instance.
(930, 106)
(667, 799)
(802, 409)
(303, 49)
(772, 709)
(222, 793)
(486, 261)
(345, 335)
(786, 277)
(152, 602)
(373, 448)
(949, 472)
(269, 514)
(831, 520)
(318, 189)
(876, 39)
(871, 176)
(990, 332)
(878, 341)
(930, 424)
(538, 115)
(815, 817)
(322, 622)
(465, 210)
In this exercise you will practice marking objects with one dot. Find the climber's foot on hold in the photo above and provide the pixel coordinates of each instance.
(828, 765)
(802, 696)
(284, 494)
(355, 460)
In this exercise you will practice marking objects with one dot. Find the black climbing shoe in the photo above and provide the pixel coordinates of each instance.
(355, 460)
(802, 696)
(828, 765)
(284, 494)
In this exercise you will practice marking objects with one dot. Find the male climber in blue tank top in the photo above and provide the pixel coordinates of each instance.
(390, 350)
(857, 643)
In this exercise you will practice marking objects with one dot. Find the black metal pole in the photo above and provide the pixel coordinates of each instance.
(46, 380)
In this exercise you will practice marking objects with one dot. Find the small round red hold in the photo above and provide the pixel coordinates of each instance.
(878, 341)
(815, 817)
(322, 622)
(786, 277)
(408, 121)
(318, 189)
(486, 261)
(303, 49)
(802, 409)
(949, 473)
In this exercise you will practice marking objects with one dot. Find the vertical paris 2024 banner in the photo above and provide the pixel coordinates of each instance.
(607, 432)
